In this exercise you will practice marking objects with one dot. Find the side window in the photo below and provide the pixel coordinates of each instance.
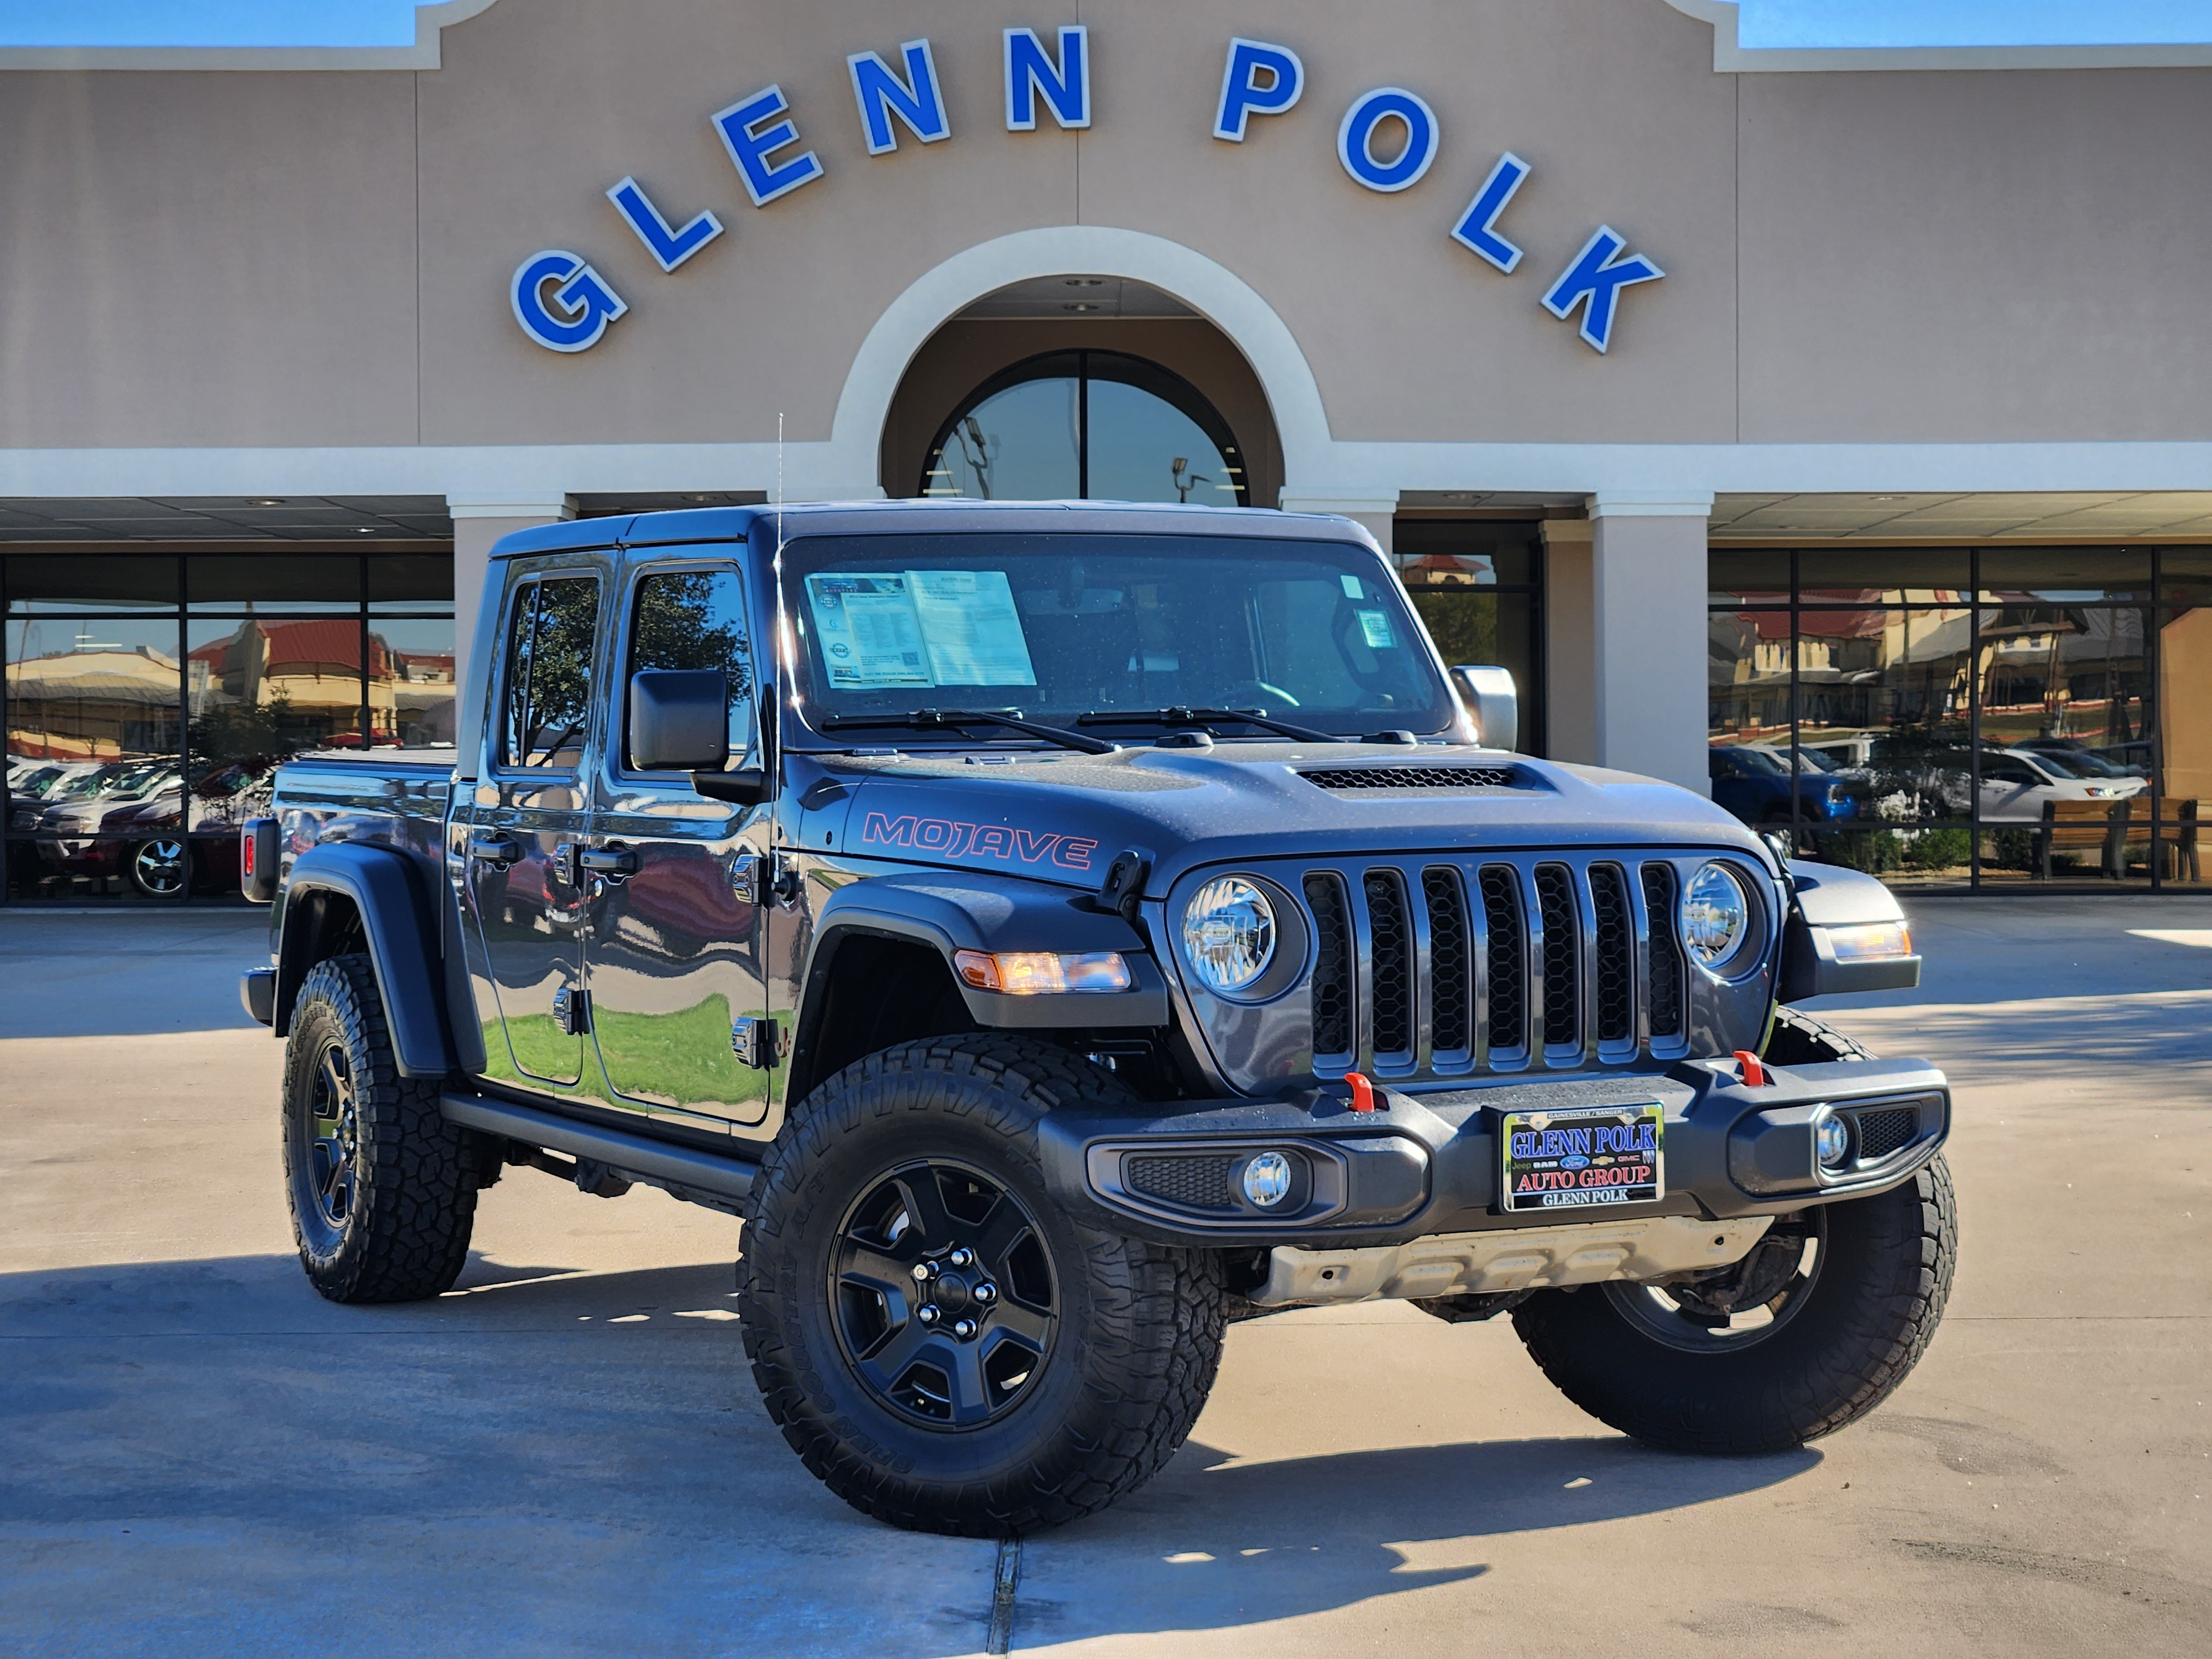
(548, 673)
(695, 619)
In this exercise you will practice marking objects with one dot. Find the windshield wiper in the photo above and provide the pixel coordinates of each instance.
(1202, 718)
(927, 719)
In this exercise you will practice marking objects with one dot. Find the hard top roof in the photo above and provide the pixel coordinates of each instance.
(728, 524)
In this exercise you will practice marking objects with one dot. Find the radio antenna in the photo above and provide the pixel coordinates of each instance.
(779, 485)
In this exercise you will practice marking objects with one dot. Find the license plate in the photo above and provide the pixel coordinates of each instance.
(1584, 1159)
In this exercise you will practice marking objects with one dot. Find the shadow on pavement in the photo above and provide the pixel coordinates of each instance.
(1213, 1543)
(535, 1442)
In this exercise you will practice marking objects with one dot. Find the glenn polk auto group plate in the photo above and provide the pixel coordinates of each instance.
(1564, 1160)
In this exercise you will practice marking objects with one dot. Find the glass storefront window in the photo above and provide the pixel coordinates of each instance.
(60, 584)
(140, 735)
(411, 681)
(1887, 576)
(327, 583)
(2024, 727)
(93, 775)
(1477, 585)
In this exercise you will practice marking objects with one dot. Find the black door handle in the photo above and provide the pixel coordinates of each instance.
(494, 848)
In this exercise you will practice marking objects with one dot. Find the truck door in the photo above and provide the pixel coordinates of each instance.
(675, 880)
(527, 831)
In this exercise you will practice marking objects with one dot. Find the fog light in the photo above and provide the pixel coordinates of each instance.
(1268, 1180)
(1831, 1139)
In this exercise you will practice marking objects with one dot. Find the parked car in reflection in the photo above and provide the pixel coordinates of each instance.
(1754, 784)
(2087, 763)
(136, 828)
(2016, 783)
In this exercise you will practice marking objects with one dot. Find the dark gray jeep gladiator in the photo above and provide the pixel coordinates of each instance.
(1058, 932)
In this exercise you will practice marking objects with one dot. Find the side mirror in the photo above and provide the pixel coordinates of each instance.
(679, 720)
(1492, 699)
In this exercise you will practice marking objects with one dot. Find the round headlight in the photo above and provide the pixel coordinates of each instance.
(1715, 914)
(1229, 933)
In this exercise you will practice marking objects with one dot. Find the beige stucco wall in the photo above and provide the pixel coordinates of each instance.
(323, 260)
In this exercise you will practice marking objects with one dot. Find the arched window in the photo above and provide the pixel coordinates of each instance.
(1097, 424)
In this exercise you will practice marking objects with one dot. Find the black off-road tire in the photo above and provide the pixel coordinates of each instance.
(1136, 1333)
(1867, 1318)
(1797, 1038)
(410, 1182)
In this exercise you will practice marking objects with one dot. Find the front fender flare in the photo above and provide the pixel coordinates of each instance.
(962, 910)
(401, 929)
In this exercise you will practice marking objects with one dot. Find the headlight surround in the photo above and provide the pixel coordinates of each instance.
(1229, 934)
(1716, 916)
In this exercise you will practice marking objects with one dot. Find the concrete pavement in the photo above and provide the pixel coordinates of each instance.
(566, 1454)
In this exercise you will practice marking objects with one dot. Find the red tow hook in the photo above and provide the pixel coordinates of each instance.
(1754, 1074)
(1362, 1093)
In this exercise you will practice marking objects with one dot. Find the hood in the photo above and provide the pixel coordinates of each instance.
(1063, 817)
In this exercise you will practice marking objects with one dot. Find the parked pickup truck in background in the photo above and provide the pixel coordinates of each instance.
(1058, 932)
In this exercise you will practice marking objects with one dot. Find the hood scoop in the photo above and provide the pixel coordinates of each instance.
(1416, 777)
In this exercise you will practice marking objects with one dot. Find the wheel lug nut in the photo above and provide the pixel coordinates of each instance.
(961, 1257)
(923, 1273)
(963, 1328)
(986, 1293)
(926, 1313)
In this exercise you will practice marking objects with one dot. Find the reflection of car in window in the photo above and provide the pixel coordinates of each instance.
(1753, 783)
(2017, 783)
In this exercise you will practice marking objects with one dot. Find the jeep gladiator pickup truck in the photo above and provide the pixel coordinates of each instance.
(1058, 932)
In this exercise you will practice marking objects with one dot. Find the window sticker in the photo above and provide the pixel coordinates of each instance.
(973, 632)
(1375, 627)
(1352, 588)
(869, 634)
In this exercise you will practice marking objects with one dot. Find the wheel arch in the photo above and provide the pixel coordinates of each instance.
(345, 897)
(894, 937)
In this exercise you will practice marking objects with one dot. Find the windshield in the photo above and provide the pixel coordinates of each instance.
(2058, 766)
(1061, 627)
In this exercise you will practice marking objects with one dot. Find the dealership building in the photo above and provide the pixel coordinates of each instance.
(1829, 431)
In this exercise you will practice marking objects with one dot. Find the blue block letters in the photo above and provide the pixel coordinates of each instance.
(754, 130)
(583, 305)
(1244, 93)
(1477, 226)
(1355, 138)
(881, 94)
(671, 248)
(1030, 71)
(1595, 280)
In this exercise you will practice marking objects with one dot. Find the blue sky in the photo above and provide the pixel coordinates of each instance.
(1766, 22)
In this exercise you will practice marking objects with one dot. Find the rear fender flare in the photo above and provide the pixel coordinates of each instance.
(400, 925)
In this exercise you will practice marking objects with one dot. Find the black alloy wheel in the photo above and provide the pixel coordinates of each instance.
(1735, 1307)
(334, 1131)
(944, 1303)
(157, 867)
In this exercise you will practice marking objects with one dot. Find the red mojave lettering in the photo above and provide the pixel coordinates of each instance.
(949, 838)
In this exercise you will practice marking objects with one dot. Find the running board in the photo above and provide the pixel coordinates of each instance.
(722, 1182)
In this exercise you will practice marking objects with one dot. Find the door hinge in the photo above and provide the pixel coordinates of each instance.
(572, 1011)
(753, 1041)
(744, 878)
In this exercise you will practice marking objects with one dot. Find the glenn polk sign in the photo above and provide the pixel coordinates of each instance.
(1387, 140)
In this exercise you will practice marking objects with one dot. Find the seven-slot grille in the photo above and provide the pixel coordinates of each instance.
(1451, 966)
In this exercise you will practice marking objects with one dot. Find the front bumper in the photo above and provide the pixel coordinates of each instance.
(1428, 1164)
